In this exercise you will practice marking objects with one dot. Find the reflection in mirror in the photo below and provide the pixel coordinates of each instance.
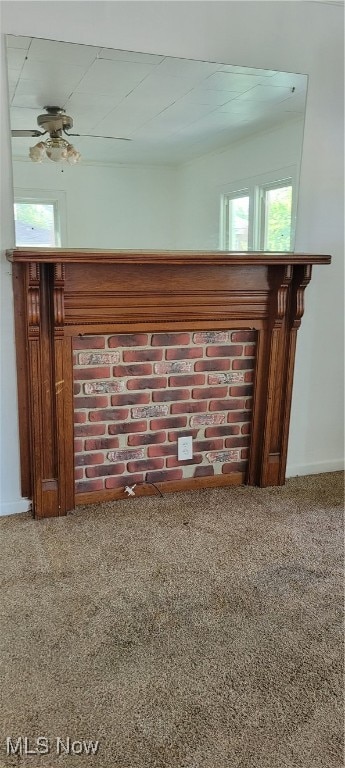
(175, 153)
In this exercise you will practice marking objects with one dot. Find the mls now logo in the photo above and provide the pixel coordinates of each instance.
(43, 746)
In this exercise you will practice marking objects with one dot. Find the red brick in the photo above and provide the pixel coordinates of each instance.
(174, 462)
(249, 404)
(246, 429)
(199, 407)
(226, 405)
(110, 414)
(173, 436)
(88, 430)
(177, 421)
(250, 350)
(249, 376)
(228, 351)
(88, 342)
(237, 416)
(223, 456)
(79, 417)
(203, 471)
(128, 340)
(169, 339)
(102, 444)
(104, 387)
(86, 459)
(222, 431)
(235, 466)
(208, 445)
(210, 337)
(91, 402)
(184, 354)
(212, 365)
(87, 486)
(104, 470)
(98, 358)
(175, 366)
(170, 395)
(233, 377)
(145, 466)
(241, 391)
(121, 482)
(127, 427)
(242, 365)
(155, 451)
(76, 389)
(147, 411)
(245, 453)
(149, 439)
(78, 473)
(81, 374)
(207, 418)
(126, 455)
(161, 477)
(152, 383)
(186, 381)
(132, 398)
(207, 392)
(142, 355)
(142, 369)
(237, 442)
(78, 446)
(243, 336)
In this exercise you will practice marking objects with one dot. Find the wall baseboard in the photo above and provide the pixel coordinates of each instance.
(294, 470)
(317, 468)
(14, 507)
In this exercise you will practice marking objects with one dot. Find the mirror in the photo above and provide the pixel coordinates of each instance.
(175, 153)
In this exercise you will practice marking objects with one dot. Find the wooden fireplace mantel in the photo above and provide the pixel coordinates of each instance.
(64, 293)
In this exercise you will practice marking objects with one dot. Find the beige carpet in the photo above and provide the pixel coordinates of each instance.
(197, 630)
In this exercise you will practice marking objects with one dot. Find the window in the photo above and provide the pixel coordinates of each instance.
(237, 221)
(276, 217)
(35, 224)
(38, 218)
(259, 217)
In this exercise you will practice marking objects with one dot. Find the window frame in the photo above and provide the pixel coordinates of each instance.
(255, 188)
(262, 213)
(57, 199)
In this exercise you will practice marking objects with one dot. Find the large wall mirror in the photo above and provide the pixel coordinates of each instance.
(175, 153)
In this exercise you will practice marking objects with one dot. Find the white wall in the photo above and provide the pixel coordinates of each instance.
(115, 206)
(293, 36)
(201, 182)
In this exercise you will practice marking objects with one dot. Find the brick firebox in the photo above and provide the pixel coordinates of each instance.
(135, 394)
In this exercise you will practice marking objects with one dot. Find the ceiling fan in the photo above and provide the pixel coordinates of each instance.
(55, 122)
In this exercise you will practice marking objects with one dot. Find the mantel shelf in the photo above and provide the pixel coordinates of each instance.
(226, 258)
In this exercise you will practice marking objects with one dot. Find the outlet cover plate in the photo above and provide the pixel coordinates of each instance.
(184, 448)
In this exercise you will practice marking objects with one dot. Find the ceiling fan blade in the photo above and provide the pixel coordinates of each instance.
(27, 133)
(94, 136)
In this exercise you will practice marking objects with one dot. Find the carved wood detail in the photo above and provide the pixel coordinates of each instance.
(59, 307)
(61, 293)
(33, 299)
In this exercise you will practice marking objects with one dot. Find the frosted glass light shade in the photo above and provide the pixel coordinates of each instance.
(56, 149)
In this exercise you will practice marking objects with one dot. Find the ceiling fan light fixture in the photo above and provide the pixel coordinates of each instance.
(38, 152)
(56, 149)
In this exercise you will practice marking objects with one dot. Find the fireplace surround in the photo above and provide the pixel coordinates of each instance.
(121, 352)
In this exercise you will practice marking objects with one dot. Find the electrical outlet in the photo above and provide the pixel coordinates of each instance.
(184, 448)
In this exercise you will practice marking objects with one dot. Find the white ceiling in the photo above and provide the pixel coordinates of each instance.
(171, 109)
